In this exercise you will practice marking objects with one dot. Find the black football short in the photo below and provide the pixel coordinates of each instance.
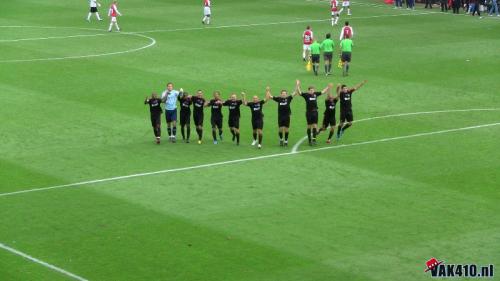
(346, 57)
(312, 117)
(155, 119)
(185, 118)
(198, 119)
(93, 9)
(257, 124)
(328, 56)
(346, 115)
(284, 121)
(315, 58)
(329, 120)
(216, 121)
(233, 122)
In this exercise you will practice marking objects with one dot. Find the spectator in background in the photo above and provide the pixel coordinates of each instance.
(475, 8)
(428, 4)
(456, 6)
(444, 5)
(494, 7)
(410, 4)
(398, 3)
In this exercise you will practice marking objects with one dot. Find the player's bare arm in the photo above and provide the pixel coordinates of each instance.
(327, 89)
(298, 91)
(268, 93)
(243, 95)
(359, 85)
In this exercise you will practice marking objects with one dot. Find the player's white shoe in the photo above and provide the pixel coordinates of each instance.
(254, 142)
(259, 146)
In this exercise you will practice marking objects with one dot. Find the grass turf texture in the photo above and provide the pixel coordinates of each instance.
(372, 212)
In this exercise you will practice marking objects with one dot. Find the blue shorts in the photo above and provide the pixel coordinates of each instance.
(171, 115)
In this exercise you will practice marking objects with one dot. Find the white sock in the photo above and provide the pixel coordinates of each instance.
(88, 17)
(98, 17)
(204, 18)
(333, 21)
(110, 26)
(208, 20)
(117, 27)
(341, 10)
(348, 11)
(336, 20)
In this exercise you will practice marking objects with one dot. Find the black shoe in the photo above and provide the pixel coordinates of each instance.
(281, 142)
(187, 141)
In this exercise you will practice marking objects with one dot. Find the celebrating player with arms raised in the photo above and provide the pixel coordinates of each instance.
(311, 98)
(346, 116)
(257, 117)
(234, 116)
(284, 113)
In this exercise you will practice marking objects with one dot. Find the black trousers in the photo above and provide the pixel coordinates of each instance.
(444, 6)
(428, 3)
(456, 6)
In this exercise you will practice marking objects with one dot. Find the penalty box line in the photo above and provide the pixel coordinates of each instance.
(83, 183)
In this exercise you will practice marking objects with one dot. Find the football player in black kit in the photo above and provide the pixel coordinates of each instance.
(284, 113)
(311, 98)
(216, 117)
(234, 116)
(198, 104)
(257, 117)
(185, 114)
(329, 119)
(346, 116)
(155, 109)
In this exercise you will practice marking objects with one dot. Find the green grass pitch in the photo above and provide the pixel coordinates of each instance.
(393, 193)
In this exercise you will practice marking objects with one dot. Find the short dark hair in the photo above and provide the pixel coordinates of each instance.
(347, 23)
(343, 85)
(170, 83)
(328, 35)
(308, 27)
(310, 87)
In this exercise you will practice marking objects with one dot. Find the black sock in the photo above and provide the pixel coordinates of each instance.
(200, 133)
(281, 135)
(214, 135)
(326, 68)
(188, 129)
(237, 137)
(339, 130)
(254, 136)
(309, 134)
(174, 130)
(286, 136)
(155, 131)
(346, 126)
(232, 133)
(182, 132)
(315, 131)
(169, 130)
(260, 138)
(330, 67)
(220, 133)
(159, 131)
(330, 135)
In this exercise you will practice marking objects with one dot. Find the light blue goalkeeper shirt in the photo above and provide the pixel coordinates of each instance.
(171, 102)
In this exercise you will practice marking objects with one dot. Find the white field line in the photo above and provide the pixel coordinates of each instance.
(295, 148)
(151, 43)
(78, 184)
(48, 265)
(54, 37)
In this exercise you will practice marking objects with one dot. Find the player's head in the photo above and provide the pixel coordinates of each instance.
(232, 97)
(255, 99)
(344, 88)
(328, 36)
(199, 93)
(283, 93)
(308, 27)
(217, 95)
(311, 89)
(170, 86)
(346, 23)
(154, 95)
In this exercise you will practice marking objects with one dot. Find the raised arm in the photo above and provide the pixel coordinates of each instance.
(243, 95)
(298, 91)
(359, 85)
(146, 100)
(339, 87)
(268, 93)
(327, 89)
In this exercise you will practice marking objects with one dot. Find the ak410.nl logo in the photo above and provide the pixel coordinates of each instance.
(439, 269)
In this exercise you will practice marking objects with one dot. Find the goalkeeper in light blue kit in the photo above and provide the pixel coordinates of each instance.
(169, 96)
